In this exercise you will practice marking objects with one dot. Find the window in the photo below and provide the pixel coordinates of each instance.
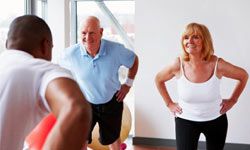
(41, 8)
(9, 10)
(122, 11)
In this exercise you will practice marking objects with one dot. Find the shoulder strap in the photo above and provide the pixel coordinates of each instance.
(216, 64)
(181, 66)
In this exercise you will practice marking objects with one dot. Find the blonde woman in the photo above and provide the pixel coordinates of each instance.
(200, 108)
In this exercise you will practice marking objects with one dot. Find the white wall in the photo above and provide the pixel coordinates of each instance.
(158, 28)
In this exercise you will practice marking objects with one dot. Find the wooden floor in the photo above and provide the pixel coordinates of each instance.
(141, 147)
(138, 147)
(130, 146)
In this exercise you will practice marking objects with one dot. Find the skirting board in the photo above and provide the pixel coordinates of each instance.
(171, 143)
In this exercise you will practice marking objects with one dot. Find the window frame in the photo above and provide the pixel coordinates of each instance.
(31, 8)
(107, 13)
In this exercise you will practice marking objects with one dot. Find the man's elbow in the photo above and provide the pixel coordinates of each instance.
(135, 66)
(81, 112)
(84, 111)
(136, 62)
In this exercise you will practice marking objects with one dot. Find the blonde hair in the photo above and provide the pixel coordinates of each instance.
(207, 43)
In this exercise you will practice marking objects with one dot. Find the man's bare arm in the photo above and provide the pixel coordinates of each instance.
(73, 114)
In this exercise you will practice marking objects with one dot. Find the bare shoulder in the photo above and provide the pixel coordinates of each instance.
(222, 63)
(170, 70)
(176, 66)
(221, 67)
(229, 70)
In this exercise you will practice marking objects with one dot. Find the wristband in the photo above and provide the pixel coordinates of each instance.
(129, 82)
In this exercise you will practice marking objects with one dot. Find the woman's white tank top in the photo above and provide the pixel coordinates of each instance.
(199, 101)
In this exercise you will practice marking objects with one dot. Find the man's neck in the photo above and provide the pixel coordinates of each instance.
(92, 52)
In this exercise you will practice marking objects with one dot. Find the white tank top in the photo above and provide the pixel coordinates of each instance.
(199, 101)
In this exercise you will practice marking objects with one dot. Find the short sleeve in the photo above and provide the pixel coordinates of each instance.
(126, 56)
(48, 77)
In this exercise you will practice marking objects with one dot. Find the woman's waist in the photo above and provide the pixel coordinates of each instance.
(200, 111)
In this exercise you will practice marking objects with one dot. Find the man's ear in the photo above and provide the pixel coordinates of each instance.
(43, 46)
(46, 49)
(101, 31)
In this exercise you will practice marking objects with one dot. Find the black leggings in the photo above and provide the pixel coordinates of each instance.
(188, 133)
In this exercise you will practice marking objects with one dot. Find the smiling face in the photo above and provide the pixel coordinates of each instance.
(192, 44)
(196, 40)
(91, 34)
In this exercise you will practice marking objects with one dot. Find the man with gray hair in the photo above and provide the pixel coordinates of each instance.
(95, 62)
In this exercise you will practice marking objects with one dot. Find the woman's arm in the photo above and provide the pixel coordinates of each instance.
(165, 75)
(229, 70)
